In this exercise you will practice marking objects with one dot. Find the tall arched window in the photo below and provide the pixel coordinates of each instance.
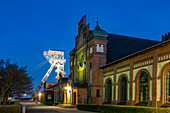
(167, 86)
(108, 92)
(123, 89)
(143, 87)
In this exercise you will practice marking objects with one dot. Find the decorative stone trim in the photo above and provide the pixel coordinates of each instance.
(144, 62)
(163, 57)
(108, 73)
(123, 68)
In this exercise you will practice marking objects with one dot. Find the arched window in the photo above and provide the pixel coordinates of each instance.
(167, 86)
(108, 92)
(143, 87)
(123, 89)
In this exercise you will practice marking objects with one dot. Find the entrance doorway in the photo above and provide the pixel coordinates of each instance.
(66, 98)
(74, 102)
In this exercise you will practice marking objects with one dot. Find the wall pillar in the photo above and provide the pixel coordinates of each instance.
(154, 80)
(114, 86)
(131, 85)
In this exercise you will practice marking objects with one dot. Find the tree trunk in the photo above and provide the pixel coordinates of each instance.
(4, 102)
(5, 99)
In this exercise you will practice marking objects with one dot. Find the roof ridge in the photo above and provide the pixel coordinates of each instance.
(134, 37)
(133, 54)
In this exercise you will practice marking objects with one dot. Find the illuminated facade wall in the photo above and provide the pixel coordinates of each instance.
(154, 62)
(95, 48)
(89, 53)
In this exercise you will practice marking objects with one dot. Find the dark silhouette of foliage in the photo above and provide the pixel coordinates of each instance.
(14, 81)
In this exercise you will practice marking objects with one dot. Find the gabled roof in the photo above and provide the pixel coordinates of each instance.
(120, 46)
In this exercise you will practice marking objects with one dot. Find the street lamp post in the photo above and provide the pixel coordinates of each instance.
(39, 96)
(25, 96)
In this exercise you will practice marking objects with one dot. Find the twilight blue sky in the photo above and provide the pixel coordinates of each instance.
(29, 27)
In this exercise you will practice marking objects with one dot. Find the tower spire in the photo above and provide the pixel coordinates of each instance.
(97, 21)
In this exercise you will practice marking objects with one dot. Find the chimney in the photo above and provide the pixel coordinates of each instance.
(165, 37)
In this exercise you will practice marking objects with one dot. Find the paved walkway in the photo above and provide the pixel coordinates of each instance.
(32, 107)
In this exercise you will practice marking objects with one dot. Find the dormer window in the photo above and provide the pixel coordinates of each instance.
(100, 48)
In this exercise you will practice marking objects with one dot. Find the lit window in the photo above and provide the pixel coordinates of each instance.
(99, 48)
(49, 96)
(143, 87)
(91, 50)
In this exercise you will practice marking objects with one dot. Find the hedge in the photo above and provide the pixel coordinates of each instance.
(121, 109)
(10, 108)
(16, 103)
(89, 107)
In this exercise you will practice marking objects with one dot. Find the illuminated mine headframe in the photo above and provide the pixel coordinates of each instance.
(56, 59)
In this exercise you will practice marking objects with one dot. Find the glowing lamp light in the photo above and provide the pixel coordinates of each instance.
(39, 94)
(68, 88)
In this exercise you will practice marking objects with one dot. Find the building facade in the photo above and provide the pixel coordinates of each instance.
(96, 48)
(142, 78)
(84, 64)
(60, 91)
(57, 92)
(48, 94)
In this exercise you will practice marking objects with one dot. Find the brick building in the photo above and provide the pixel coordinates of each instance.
(56, 92)
(59, 91)
(119, 58)
(48, 94)
(142, 78)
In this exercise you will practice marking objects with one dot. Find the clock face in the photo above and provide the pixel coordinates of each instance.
(82, 61)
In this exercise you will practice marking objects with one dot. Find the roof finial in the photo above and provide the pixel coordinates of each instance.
(97, 21)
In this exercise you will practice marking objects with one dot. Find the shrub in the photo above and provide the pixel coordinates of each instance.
(11, 103)
(10, 108)
(127, 109)
(122, 109)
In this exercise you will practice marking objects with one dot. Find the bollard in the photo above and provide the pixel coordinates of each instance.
(23, 109)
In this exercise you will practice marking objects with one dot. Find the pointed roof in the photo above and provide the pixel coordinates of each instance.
(98, 33)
